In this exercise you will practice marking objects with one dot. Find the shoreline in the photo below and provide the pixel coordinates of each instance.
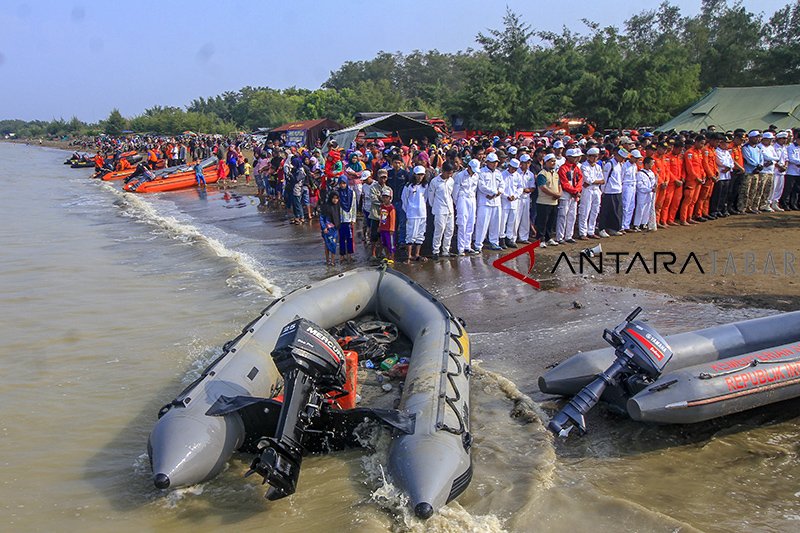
(738, 261)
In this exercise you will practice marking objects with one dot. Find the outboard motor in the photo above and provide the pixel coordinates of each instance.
(640, 350)
(312, 365)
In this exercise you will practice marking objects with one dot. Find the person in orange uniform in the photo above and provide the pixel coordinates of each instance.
(701, 209)
(678, 174)
(124, 164)
(695, 178)
(152, 158)
(664, 189)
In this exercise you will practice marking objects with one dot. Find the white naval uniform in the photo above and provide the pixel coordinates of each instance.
(413, 198)
(589, 207)
(465, 187)
(629, 171)
(488, 214)
(523, 226)
(440, 198)
(779, 175)
(512, 186)
(645, 181)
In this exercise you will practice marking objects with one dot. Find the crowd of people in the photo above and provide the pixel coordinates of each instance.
(471, 195)
(491, 193)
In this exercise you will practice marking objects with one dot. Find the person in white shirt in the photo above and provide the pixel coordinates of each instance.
(465, 186)
(558, 150)
(629, 171)
(781, 165)
(589, 206)
(413, 198)
(646, 181)
(509, 199)
(440, 198)
(523, 222)
(770, 155)
(719, 197)
(490, 185)
(610, 217)
(791, 187)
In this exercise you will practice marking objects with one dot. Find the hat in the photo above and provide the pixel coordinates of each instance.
(512, 150)
(514, 163)
(383, 172)
(558, 144)
(754, 133)
(419, 169)
(524, 158)
(549, 157)
(622, 152)
(474, 164)
(495, 138)
(386, 191)
(782, 135)
(365, 174)
(636, 154)
(491, 158)
(593, 151)
(574, 152)
(768, 135)
(647, 134)
(342, 179)
(625, 140)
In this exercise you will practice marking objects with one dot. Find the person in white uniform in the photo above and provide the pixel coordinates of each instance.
(440, 198)
(781, 141)
(509, 200)
(629, 171)
(589, 206)
(523, 226)
(465, 186)
(645, 190)
(487, 220)
(414, 197)
(571, 179)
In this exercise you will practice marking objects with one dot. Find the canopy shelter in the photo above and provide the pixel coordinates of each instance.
(408, 129)
(749, 108)
(304, 132)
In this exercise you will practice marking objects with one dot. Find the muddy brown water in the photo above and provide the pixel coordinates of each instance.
(112, 303)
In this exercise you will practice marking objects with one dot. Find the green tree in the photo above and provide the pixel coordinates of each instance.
(115, 123)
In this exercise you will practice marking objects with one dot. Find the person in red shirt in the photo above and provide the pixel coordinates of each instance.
(386, 222)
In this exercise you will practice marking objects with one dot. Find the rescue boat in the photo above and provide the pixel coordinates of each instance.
(685, 378)
(270, 393)
(174, 178)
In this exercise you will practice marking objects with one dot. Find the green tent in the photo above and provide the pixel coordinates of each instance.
(729, 108)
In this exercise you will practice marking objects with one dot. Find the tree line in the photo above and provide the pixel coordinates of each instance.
(517, 78)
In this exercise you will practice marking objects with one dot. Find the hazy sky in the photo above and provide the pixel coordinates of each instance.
(63, 58)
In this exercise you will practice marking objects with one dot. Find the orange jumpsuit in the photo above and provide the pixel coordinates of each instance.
(663, 190)
(711, 172)
(695, 174)
(677, 174)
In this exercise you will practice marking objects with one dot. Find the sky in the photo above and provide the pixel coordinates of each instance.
(61, 58)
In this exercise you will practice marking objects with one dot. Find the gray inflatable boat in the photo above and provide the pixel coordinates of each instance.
(701, 374)
(287, 351)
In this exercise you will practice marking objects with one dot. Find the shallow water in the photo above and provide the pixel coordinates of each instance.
(114, 302)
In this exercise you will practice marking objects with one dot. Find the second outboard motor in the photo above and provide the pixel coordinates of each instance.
(640, 350)
(312, 365)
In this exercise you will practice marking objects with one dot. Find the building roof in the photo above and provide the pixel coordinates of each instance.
(407, 128)
(307, 125)
(729, 108)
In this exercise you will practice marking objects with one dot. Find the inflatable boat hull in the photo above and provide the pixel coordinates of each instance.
(431, 465)
(712, 372)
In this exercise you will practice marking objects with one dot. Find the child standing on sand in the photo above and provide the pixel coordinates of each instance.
(387, 223)
(247, 170)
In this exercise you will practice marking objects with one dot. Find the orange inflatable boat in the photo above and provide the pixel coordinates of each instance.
(173, 178)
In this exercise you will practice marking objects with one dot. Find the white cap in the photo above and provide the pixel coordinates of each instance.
(514, 163)
(491, 158)
(782, 135)
(622, 152)
(593, 151)
(754, 133)
(558, 144)
(574, 152)
(768, 135)
(474, 164)
(548, 157)
(386, 191)
(636, 154)
(365, 174)
(512, 150)
(419, 169)
(524, 158)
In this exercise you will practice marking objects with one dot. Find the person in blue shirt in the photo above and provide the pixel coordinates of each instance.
(198, 175)
(397, 179)
(753, 163)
